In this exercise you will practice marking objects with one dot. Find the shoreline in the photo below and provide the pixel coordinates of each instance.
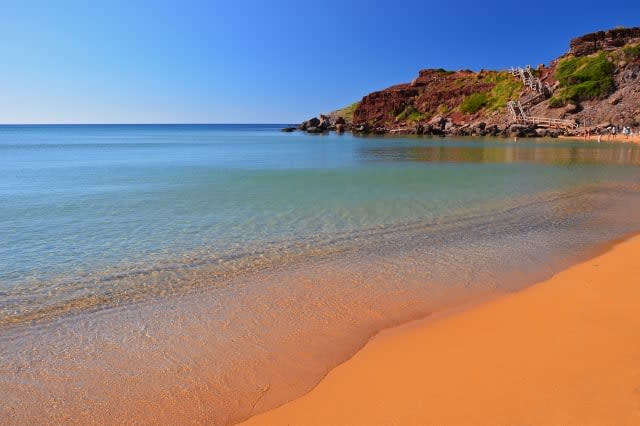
(274, 376)
(635, 139)
(567, 368)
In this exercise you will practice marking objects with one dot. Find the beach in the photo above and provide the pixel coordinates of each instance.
(565, 351)
(620, 138)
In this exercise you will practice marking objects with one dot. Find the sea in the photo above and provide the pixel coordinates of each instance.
(194, 274)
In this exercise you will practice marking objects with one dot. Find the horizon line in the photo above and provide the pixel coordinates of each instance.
(142, 124)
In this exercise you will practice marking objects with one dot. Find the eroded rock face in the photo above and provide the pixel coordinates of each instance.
(433, 91)
(603, 40)
(379, 107)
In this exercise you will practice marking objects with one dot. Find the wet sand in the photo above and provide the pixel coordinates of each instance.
(565, 351)
(604, 138)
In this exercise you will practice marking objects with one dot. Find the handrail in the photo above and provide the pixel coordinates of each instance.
(549, 122)
(518, 109)
(519, 115)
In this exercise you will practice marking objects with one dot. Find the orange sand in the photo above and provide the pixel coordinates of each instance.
(563, 352)
(604, 138)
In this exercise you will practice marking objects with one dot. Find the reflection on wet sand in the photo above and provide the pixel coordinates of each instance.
(525, 152)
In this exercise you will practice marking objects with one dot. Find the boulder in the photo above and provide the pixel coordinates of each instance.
(325, 122)
(288, 129)
(522, 131)
(571, 108)
(631, 73)
(615, 99)
(362, 128)
(542, 133)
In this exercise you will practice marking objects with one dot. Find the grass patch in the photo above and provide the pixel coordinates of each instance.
(506, 89)
(410, 114)
(474, 103)
(443, 109)
(583, 78)
(347, 112)
(632, 52)
(416, 116)
(442, 70)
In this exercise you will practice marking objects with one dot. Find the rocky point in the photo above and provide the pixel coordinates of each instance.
(470, 103)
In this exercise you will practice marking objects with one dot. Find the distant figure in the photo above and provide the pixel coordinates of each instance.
(614, 131)
(599, 136)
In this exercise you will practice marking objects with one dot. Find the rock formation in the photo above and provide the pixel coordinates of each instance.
(468, 103)
(604, 40)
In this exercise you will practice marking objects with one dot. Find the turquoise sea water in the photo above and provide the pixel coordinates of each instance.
(84, 203)
(285, 234)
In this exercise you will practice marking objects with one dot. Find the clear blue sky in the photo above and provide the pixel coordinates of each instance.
(259, 61)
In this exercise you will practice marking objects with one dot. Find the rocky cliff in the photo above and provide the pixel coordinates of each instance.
(597, 83)
(604, 40)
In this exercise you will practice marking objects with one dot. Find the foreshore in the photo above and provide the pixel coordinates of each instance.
(604, 138)
(565, 351)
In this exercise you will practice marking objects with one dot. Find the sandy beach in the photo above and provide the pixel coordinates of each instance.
(604, 138)
(565, 351)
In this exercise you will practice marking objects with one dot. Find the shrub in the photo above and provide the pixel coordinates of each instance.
(443, 109)
(583, 78)
(410, 114)
(474, 103)
(556, 102)
(415, 116)
(506, 89)
(632, 52)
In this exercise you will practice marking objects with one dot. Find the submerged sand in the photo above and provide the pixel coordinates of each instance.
(565, 351)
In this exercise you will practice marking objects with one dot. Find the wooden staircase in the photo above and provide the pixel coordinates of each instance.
(538, 92)
(531, 81)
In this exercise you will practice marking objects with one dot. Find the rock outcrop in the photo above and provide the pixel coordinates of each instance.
(432, 92)
(468, 103)
(603, 40)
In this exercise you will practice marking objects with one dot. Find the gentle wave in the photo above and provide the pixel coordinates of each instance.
(36, 301)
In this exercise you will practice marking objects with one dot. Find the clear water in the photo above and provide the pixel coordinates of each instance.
(243, 262)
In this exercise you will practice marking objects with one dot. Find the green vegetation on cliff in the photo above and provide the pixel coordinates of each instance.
(632, 51)
(410, 114)
(347, 112)
(583, 78)
(505, 89)
(474, 103)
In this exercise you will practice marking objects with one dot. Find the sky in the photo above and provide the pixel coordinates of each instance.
(257, 61)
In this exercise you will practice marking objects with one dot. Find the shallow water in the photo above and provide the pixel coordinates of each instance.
(205, 273)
